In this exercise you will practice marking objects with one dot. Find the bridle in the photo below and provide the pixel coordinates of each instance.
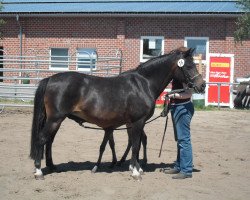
(189, 80)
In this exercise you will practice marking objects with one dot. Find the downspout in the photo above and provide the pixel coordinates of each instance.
(21, 44)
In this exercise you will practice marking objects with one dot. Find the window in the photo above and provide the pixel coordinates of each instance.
(86, 59)
(200, 44)
(151, 47)
(59, 58)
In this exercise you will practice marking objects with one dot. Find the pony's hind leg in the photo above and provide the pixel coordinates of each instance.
(129, 132)
(108, 136)
(112, 146)
(101, 150)
(48, 152)
(46, 136)
(125, 153)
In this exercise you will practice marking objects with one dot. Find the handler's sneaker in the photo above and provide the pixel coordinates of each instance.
(171, 171)
(182, 176)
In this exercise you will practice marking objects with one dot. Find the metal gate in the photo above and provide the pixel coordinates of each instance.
(20, 75)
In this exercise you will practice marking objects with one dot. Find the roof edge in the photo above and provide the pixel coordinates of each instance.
(108, 14)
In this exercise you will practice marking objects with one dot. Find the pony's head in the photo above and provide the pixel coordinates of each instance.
(186, 70)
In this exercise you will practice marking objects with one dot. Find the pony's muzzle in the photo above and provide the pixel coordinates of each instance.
(200, 89)
(203, 87)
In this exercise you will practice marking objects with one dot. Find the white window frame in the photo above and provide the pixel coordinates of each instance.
(59, 68)
(207, 45)
(152, 38)
(86, 54)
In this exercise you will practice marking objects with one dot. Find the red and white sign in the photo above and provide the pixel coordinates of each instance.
(161, 99)
(219, 70)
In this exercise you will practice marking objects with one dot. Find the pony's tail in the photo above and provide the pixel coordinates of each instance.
(39, 118)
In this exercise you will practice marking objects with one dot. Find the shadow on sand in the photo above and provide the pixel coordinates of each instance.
(105, 167)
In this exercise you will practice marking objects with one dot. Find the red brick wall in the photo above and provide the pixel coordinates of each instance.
(123, 33)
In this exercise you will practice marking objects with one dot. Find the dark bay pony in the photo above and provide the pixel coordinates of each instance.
(107, 102)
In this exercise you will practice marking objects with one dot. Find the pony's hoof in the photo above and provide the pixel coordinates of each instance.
(130, 168)
(137, 177)
(141, 171)
(94, 170)
(38, 174)
(39, 177)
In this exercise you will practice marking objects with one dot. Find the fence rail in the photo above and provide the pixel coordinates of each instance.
(219, 85)
(19, 75)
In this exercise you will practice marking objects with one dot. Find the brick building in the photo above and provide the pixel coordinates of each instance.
(140, 28)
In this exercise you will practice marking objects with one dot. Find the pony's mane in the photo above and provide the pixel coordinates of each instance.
(143, 67)
(159, 59)
(153, 60)
(156, 60)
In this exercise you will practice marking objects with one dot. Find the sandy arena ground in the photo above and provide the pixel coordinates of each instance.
(221, 147)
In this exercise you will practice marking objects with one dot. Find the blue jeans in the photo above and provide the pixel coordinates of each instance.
(181, 116)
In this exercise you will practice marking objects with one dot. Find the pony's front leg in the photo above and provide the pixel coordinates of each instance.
(134, 166)
(144, 144)
(137, 130)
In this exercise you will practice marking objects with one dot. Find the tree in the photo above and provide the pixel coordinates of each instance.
(243, 22)
(1, 21)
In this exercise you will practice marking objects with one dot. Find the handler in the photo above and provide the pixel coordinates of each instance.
(182, 111)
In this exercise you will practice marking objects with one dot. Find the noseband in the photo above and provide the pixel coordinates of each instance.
(190, 81)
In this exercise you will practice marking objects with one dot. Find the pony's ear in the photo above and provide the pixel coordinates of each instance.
(189, 52)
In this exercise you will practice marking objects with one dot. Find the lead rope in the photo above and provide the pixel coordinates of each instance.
(163, 137)
(164, 113)
(119, 129)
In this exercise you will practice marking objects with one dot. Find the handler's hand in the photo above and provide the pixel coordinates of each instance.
(167, 98)
(171, 96)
